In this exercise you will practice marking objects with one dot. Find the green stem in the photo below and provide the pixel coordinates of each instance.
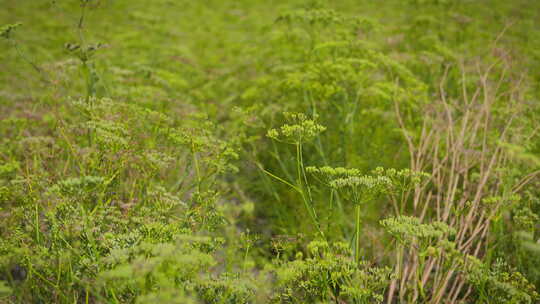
(37, 222)
(80, 24)
(331, 214)
(245, 259)
(304, 176)
(87, 76)
(298, 161)
(301, 176)
(197, 167)
(27, 60)
(279, 179)
(357, 246)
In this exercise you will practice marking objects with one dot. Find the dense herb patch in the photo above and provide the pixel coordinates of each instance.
(269, 151)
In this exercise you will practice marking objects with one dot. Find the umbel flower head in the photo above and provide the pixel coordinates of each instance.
(300, 129)
(402, 179)
(350, 182)
(407, 228)
(6, 30)
(361, 188)
(327, 174)
(332, 172)
(366, 181)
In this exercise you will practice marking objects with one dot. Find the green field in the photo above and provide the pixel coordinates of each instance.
(249, 151)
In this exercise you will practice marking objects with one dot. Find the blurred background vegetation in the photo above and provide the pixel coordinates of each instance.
(135, 164)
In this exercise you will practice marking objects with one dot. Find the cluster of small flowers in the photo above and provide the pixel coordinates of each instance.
(109, 134)
(498, 280)
(491, 201)
(331, 172)
(158, 160)
(84, 53)
(366, 181)
(313, 16)
(302, 129)
(526, 219)
(6, 30)
(77, 185)
(404, 177)
(326, 265)
(406, 227)
(9, 168)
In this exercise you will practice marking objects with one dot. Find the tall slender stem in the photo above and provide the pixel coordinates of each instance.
(357, 246)
(300, 178)
(197, 167)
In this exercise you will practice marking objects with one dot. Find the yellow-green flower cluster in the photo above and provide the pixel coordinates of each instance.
(6, 30)
(402, 179)
(300, 130)
(333, 172)
(314, 16)
(351, 182)
(328, 265)
(405, 228)
(366, 181)
(361, 189)
(327, 174)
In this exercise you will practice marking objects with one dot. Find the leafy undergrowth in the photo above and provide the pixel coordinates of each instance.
(269, 152)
